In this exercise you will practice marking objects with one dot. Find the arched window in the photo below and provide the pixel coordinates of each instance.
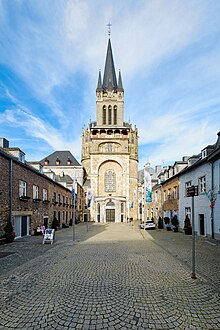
(110, 181)
(109, 115)
(104, 115)
(108, 147)
(115, 115)
(110, 203)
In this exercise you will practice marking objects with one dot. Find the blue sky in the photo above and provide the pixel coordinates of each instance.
(168, 53)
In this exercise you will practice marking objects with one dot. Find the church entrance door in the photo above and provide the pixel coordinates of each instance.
(110, 215)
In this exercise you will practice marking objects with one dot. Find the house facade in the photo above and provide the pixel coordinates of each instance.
(198, 174)
(203, 172)
(170, 197)
(63, 163)
(29, 199)
(214, 194)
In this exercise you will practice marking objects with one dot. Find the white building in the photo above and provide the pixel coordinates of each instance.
(214, 159)
(198, 174)
(204, 173)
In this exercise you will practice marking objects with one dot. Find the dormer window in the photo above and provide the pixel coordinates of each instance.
(68, 161)
(21, 157)
(204, 153)
(46, 162)
(57, 161)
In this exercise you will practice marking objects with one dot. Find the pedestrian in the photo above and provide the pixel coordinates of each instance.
(42, 228)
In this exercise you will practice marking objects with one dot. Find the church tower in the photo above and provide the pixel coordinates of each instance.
(110, 152)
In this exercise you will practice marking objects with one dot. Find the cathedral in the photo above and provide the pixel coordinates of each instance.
(110, 153)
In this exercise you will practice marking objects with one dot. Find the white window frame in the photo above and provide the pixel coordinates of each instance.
(169, 194)
(202, 184)
(187, 185)
(44, 194)
(22, 188)
(188, 212)
(175, 192)
(35, 192)
(164, 195)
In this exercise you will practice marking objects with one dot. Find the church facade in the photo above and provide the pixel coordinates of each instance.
(110, 153)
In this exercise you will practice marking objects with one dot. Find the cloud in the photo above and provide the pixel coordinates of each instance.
(38, 129)
(57, 47)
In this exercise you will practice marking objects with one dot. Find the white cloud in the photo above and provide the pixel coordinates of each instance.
(39, 129)
(53, 42)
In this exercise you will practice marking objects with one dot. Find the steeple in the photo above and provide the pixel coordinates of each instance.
(120, 86)
(99, 85)
(109, 80)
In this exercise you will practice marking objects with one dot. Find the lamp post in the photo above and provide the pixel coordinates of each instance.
(191, 192)
(86, 208)
(74, 208)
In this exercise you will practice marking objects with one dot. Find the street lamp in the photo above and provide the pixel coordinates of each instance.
(86, 207)
(74, 208)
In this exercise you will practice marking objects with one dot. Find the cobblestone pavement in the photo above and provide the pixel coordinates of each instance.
(113, 277)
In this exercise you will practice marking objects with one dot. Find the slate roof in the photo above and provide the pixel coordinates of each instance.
(99, 85)
(120, 86)
(109, 80)
(63, 156)
(65, 178)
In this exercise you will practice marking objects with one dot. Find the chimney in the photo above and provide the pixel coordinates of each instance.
(4, 143)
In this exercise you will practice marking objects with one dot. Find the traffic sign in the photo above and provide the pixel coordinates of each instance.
(192, 191)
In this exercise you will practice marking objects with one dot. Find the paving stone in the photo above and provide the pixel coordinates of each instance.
(116, 277)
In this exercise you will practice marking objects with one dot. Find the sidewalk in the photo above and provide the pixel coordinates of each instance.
(179, 246)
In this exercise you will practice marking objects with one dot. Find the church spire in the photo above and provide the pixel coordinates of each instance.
(120, 86)
(109, 80)
(99, 85)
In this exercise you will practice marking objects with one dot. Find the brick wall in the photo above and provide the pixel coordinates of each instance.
(4, 190)
(36, 210)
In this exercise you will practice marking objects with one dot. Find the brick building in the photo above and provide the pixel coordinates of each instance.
(28, 198)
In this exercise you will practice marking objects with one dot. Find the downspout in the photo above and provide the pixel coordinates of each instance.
(212, 209)
(10, 197)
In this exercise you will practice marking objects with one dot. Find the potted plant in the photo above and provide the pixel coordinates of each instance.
(187, 226)
(160, 223)
(175, 223)
(167, 223)
(9, 232)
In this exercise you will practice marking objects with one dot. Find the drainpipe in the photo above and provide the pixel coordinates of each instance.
(10, 197)
(212, 209)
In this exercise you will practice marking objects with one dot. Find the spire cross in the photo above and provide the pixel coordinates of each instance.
(109, 28)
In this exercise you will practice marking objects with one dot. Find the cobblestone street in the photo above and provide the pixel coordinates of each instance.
(112, 277)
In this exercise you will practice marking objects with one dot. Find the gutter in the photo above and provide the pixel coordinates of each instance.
(212, 209)
(10, 197)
